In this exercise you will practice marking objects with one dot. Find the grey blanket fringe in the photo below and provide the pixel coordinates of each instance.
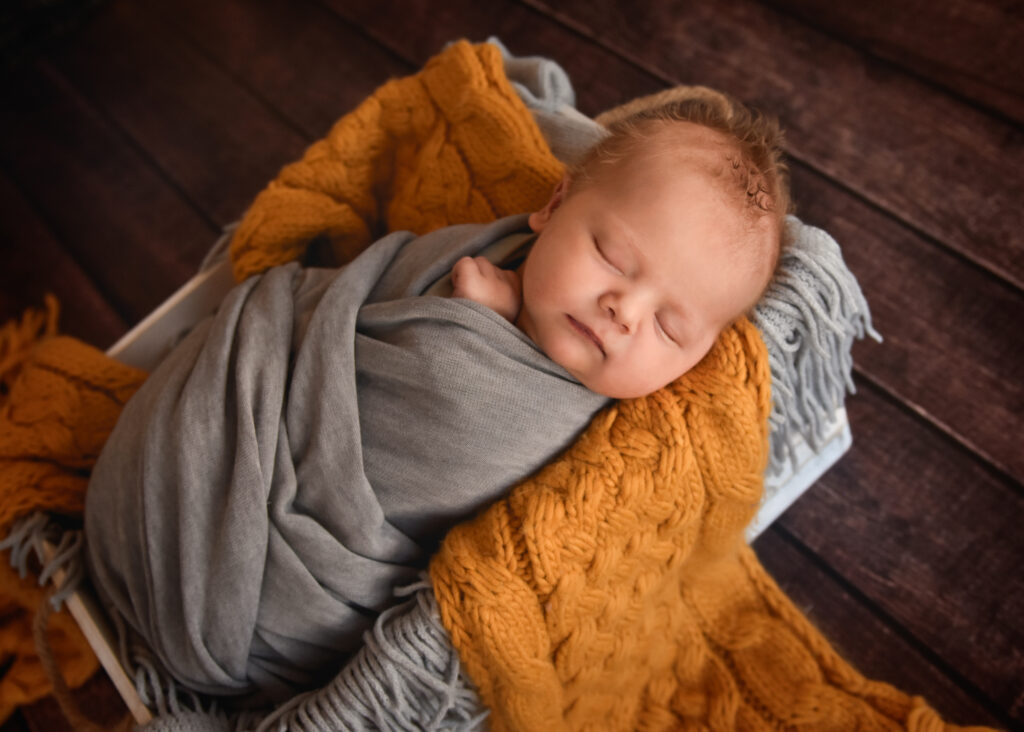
(809, 317)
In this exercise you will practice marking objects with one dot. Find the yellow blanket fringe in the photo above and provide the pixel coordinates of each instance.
(59, 400)
(611, 591)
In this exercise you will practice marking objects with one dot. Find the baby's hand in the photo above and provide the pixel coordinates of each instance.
(476, 279)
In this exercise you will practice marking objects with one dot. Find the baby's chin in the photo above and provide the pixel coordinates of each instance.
(620, 390)
(603, 383)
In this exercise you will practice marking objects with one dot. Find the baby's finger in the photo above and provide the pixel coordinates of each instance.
(511, 278)
(465, 267)
(486, 267)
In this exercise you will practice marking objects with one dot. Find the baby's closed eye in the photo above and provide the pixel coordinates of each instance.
(607, 257)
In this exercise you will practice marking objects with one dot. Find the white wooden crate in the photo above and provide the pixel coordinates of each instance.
(148, 342)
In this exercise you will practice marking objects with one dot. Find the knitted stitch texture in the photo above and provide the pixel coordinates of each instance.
(451, 144)
(59, 399)
(614, 590)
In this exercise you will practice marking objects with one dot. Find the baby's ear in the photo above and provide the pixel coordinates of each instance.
(539, 219)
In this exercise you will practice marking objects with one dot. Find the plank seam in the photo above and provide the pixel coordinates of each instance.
(898, 628)
(411, 63)
(937, 426)
(905, 70)
(240, 82)
(69, 252)
(47, 67)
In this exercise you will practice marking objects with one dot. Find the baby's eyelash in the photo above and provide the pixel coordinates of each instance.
(665, 332)
(597, 245)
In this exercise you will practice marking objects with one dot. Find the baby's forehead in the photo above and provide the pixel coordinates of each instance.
(684, 143)
(747, 238)
(669, 150)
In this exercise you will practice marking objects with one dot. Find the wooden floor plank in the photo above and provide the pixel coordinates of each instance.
(97, 700)
(945, 168)
(930, 535)
(302, 59)
(35, 263)
(214, 139)
(126, 227)
(971, 47)
(950, 347)
(418, 31)
(872, 647)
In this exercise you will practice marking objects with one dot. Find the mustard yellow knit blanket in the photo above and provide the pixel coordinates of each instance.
(612, 590)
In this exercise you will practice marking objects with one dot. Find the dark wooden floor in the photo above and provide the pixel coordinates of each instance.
(129, 141)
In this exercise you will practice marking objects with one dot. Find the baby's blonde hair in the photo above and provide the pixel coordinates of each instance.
(751, 143)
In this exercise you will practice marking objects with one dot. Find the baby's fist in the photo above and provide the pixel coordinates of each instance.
(476, 279)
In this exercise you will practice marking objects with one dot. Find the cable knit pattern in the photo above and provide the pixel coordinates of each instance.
(54, 423)
(614, 591)
(422, 152)
(59, 399)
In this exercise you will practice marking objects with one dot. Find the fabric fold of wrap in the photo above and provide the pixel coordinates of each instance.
(312, 440)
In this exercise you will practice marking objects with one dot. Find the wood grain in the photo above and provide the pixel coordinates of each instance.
(971, 47)
(863, 640)
(932, 536)
(212, 138)
(35, 263)
(952, 345)
(943, 167)
(418, 31)
(127, 228)
(299, 58)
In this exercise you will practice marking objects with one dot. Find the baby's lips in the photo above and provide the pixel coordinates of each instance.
(586, 330)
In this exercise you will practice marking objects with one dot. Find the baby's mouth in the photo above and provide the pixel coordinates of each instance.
(584, 330)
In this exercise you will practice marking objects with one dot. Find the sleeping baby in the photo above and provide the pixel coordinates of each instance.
(668, 232)
(299, 454)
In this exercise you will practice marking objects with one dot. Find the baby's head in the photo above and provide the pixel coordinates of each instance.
(666, 233)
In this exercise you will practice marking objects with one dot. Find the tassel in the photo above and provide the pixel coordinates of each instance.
(19, 337)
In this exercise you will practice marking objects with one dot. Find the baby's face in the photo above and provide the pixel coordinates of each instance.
(633, 277)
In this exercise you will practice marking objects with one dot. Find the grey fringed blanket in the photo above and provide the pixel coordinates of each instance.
(296, 455)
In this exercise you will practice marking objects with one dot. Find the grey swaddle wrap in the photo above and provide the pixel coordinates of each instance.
(293, 458)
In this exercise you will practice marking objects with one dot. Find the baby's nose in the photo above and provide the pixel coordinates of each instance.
(621, 310)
